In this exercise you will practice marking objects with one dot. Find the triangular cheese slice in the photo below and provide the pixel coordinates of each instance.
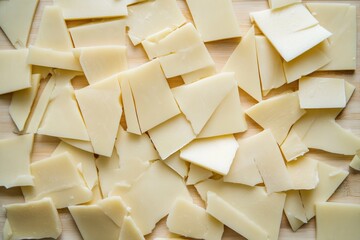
(83, 145)
(197, 174)
(177, 164)
(129, 230)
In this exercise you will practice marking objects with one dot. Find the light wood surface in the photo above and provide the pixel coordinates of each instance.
(349, 191)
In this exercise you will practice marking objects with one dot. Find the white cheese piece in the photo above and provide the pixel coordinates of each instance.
(159, 14)
(16, 18)
(304, 173)
(199, 74)
(102, 62)
(101, 108)
(306, 63)
(293, 147)
(190, 220)
(270, 65)
(22, 101)
(129, 230)
(89, 9)
(277, 114)
(322, 92)
(291, 30)
(231, 217)
(228, 117)
(96, 194)
(172, 135)
(243, 61)
(199, 100)
(221, 25)
(114, 208)
(197, 174)
(294, 210)
(36, 219)
(337, 221)
(83, 145)
(263, 209)
(57, 178)
(169, 186)
(15, 72)
(355, 163)
(177, 164)
(274, 4)
(340, 19)
(15, 161)
(215, 154)
(330, 179)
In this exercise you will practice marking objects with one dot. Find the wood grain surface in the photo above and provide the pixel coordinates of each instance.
(349, 191)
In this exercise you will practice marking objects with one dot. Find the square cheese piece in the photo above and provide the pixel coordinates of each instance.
(215, 19)
(322, 92)
(292, 30)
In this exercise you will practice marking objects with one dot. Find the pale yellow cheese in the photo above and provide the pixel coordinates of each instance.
(89, 9)
(22, 101)
(96, 194)
(291, 30)
(83, 145)
(215, 154)
(304, 173)
(294, 210)
(101, 108)
(281, 3)
(114, 208)
(15, 72)
(199, 100)
(15, 161)
(197, 174)
(221, 25)
(198, 74)
(355, 163)
(293, 147)
(16, 18)
(43, 71)
(99, 34)
(172, 135)
(177, 164)
(277, 114)
(129, 230)
(337, 221)
(7, 232)
(330, 179)
(190, 220)
(243, 61)
(33, 220)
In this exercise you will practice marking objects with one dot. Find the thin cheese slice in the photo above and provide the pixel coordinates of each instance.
(7, 231)
(243, 62)
(304, 173)
(197, 174)
(15, 161)
(355, 162)
(199, 74)
(129, 230)
(274, 4)
(190, 220)
(16, 18)
(43, 71)
(215, 154)
(83, 145)
(294, 210)
(177, 164)
(293, 147)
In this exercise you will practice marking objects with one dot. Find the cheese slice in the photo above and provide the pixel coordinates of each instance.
(294, 210)
(43, 71)
(91, 9)
(291, 30)
(243, 61)
(129, 230)
(172, 135)
(190, 220)
(215, 154)
(337, 221)
(277, 114)
(15, 72)
(16, 18)
(83, 145)
(274, 4)
(7, 231)
(177, 164)
(197, 174)
(22, 101)
(199, 74)
(160, 15)
(304, 173)
(15, 161)
(293, 147)
(96, 195)
(199, 100)
(27, 220)
(330, 179)
(355, 163)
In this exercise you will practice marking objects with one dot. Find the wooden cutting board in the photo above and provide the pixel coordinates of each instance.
(348, 192)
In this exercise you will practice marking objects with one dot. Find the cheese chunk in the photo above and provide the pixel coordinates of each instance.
(160, 14)
(57, 178)
(83, 145)
(322, 92)
(129, 230)
(293, 147)
(277, 114)
(215, 154)
(16, 18)
(102, 62)
(177, 164)
(15, 72)
(221, 25)
(199, 100)
(101, 108)
(172, 135)
(22, 101)
(304, 173)
(199, 74)
(330, 179)
(281, 3)
(197, 174)
(337, 221)
(169, 186)
(15, 161)
(190, 220)
(294, 210)
(36, 219)
(340, 19)
(243, 61)
(291, 30)
(355, 163)
(88, 9)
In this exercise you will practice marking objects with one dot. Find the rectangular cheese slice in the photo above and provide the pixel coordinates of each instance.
(304, 173)
(198, 74)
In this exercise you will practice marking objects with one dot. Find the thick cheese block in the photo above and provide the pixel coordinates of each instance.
(198, 74)
(197, 174)
(293, 147)
(281, 3)
(177, 164)
(294, 210)
(304, 173)
(15, 161)
(129, 230)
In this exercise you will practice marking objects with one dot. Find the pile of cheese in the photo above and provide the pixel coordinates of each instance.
(119, 180)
